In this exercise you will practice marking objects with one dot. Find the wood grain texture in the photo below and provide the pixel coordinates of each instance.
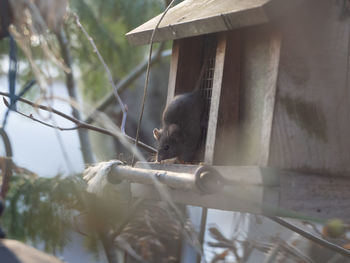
(174, 63)
(198, 17)
(240, 198)
(228, 112)
(259, 58)
(269, 96)
(311, 125)
(316, 196)
(244, 86)
(215, 98)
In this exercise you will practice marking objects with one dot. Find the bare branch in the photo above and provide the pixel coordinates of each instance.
(79, 123)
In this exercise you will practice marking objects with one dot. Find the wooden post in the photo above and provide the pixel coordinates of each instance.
(173, 71)
(215, 99)
(270, 95)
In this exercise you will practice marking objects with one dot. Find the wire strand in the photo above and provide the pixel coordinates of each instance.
(311, 236)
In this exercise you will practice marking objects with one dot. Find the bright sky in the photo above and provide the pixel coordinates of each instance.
(35, 146)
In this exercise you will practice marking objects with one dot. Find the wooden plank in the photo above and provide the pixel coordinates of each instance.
(270, 95)
(250, 196)
(248, 98)
(228, 112)
(199, 17)
(215, 99)
(315, 195)
(192, 18)
(311, 125)
(174, 63)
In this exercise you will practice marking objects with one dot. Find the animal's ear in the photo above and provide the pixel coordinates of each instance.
(157, 133)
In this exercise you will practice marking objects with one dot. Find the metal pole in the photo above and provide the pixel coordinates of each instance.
(202, 231)
(205, 180)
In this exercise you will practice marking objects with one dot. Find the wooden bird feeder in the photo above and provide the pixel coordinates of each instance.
(278, 98)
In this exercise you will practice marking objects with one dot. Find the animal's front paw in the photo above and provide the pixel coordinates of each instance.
(169, 161)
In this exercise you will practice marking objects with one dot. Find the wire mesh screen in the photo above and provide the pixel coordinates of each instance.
(206, 86)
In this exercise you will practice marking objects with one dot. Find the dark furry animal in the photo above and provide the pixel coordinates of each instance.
(181, 128)
(182, 124)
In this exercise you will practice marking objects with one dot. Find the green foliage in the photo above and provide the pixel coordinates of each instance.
(44, 209)
(48, 209)
(107, 23)
(40, 209)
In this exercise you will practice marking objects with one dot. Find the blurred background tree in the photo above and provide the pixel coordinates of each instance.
(43, 210)
(107, 22)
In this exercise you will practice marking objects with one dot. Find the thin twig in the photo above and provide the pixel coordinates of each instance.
(202, 227)
(30, 116)
(109, 74)
(147, 75)
(80, 124)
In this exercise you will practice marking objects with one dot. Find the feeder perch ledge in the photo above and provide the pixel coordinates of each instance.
(205, 179)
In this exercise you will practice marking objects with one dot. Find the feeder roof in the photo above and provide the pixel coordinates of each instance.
(197, 17)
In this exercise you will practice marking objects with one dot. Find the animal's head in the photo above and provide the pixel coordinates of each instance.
(170, 142)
